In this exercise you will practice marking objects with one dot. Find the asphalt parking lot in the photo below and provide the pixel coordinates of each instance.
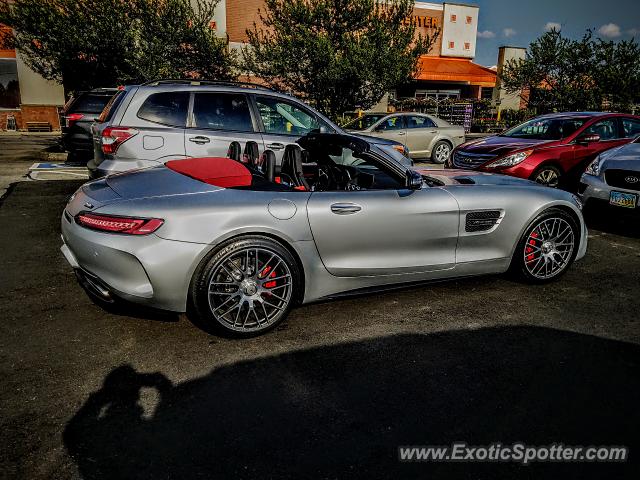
(331, 393)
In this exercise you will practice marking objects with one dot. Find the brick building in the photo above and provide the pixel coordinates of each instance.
(26, 99)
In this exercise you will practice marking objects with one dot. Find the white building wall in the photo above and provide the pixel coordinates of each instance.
(459, 29)
(35, 90)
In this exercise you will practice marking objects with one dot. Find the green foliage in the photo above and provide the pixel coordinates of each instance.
(561, 74)
(97, 43)
(337, 54)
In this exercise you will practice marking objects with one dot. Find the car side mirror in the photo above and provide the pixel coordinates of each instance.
(414, 180)
(587, 138)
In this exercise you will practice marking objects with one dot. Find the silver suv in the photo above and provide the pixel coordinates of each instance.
(147, 125)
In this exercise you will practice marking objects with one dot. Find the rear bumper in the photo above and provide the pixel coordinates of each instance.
(147, 270)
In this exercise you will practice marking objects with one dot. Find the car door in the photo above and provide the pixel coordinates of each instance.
(391, 128)
(284, 121)
(610, 132)
(384, 231)
(216, 119)
(421, 131)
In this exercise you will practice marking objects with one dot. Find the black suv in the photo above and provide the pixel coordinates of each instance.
(77, 116)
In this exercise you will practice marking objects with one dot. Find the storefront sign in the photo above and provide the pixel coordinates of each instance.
(423, 21)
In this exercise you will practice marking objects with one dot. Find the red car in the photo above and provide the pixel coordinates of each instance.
(551, 149)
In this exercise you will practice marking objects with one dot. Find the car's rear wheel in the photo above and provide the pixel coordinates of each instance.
(547, 248)
(440, 152)
(246, 287)
(548, 175)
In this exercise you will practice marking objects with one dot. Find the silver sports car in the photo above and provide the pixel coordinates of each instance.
(240, 242)
(613, 178)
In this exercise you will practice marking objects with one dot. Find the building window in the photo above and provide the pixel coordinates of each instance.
(467, 45)
(9, 88)
(452, 44)
(469, 20)
(454, 17)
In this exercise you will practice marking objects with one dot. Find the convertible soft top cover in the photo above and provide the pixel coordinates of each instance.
(218, 171)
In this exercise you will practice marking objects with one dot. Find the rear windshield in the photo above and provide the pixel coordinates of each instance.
(90, 103)
(111, 107)
(546, 128)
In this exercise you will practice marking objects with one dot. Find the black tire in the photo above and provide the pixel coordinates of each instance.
(548, 175)
(246, 288)
(437, 155)
(525, 263)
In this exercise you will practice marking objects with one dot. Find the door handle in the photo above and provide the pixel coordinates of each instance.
(275, 146)
(402, 133)
(345, 208)
(199, 140)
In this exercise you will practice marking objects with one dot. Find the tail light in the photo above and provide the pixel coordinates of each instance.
(128, 225)
(113, 137)
(73, 118)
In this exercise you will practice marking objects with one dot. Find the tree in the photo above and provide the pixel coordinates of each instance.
(95, 43)
(336, 54)
(560, 74)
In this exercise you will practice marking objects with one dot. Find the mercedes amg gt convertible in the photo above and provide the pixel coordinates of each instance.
(238, 241)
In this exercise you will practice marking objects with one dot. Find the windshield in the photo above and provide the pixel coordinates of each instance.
(545, 128)
(364, 122)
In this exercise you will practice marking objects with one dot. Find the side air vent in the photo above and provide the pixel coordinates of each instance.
(481, 221)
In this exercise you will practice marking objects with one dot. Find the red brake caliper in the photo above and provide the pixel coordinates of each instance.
(264, 273)
(529, 249)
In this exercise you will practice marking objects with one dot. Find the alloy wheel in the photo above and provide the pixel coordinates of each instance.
(442, 152)
(548, 177)
(250, 289)
(549, 248)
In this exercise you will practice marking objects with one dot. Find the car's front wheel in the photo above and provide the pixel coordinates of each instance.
(440, 152)
(547, 248)
(548, 175)
(246, 287)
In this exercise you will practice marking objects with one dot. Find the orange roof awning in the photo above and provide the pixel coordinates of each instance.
(441, 69)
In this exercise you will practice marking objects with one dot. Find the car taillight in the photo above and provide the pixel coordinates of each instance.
(128, 225)
(113, 137)
(73, 118)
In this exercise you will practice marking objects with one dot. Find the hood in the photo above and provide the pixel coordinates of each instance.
(499, 146)
(473, 177)
(626, 157)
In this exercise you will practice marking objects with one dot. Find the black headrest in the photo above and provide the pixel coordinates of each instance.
(292, 159)
(235, 151)
(251, 152)
(268, 164)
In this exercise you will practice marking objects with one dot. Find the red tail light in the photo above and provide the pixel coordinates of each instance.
(73, 118)
(128, 225)
(113, 137)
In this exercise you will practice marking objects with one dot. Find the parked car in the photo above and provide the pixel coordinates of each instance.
(551, 149)
(77, 116)
(613, 178)
(425, 136)
(149, 124)
(241, 246)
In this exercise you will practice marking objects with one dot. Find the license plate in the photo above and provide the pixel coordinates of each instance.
(619, 199)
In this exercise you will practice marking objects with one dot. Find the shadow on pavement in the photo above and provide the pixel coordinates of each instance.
(341, 411)
(613, 220)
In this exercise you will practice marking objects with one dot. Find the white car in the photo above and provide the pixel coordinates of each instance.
(425, 136)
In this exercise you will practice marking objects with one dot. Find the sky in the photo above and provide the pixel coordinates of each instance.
(517, 23)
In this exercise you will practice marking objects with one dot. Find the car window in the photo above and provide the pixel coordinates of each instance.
(546, 128)
(369, 172)
(630, 127)
(364, 122)
(607, 129)
(282, 117)
(90, 103)
(166, 108)
(391, 123)
(419, 122)
(222, 111)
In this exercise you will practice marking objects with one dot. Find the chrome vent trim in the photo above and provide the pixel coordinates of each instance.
(481, 221)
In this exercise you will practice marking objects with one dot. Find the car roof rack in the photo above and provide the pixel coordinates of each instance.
(222, 83)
